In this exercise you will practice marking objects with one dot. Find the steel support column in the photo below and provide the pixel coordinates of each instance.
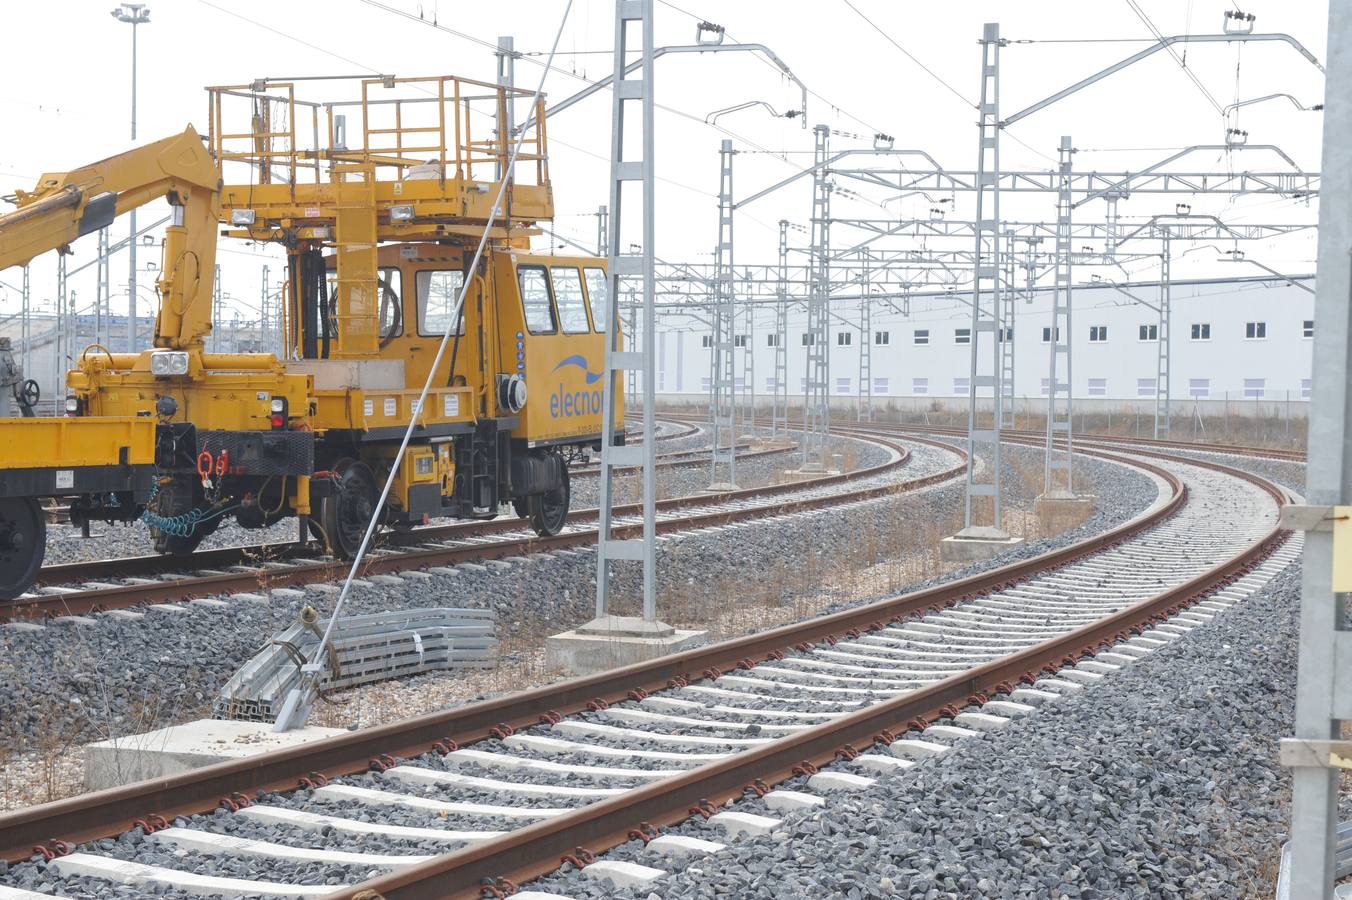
(865, 411)
(1163, 388)
(1060, 393)
(103, 290)
(816, 396)
(630, 269)
(722, 383)
(983, 444)
(748, 368)
(1006, 341)
(1322, 700)
(779, 403)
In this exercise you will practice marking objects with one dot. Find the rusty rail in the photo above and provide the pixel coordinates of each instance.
(122, 596)
(537, 849)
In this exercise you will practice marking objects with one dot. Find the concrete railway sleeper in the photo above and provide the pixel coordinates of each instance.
(685, 734)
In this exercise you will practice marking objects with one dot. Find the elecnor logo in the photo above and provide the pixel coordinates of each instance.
(567, 403)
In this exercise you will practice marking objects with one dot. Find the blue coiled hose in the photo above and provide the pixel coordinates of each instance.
(183, 524)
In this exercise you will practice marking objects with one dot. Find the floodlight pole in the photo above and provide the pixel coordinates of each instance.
(133, 14)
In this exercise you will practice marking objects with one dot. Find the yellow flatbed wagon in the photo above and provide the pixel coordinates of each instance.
(99, 462)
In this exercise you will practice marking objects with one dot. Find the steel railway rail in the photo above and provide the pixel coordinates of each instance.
(832, 684)
(464, 542)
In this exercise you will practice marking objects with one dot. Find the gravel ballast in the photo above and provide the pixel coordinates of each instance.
(1159, 781)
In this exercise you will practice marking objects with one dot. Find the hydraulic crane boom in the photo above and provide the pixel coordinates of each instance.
(66, 205)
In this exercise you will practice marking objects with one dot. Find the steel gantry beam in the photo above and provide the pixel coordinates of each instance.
(1058, 467)
(637, 270)
(983, 444)
(722, 386)
(816, 396)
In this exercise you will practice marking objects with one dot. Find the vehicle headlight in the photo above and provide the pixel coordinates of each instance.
(72, 406)
(402, 213)
(242, 217)
(168, 362)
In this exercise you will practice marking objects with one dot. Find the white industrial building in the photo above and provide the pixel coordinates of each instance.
(1232, 340)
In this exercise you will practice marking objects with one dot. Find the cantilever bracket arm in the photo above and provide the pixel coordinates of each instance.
(1155, 48)
(682, 48)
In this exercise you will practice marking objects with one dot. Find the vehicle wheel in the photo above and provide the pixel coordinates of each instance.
(23, 542)
(522, 507)
(549, 511)
(345, 514)
(174, 499)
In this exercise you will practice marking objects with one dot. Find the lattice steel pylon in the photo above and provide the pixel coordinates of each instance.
(1005, 336)
(779, 401)
(748, 370)
(983, 444)
(1163, 389)
(816, 399)
(865, 411)
(722, 380)
(1058, 467)
(103, 292)
(627, 269)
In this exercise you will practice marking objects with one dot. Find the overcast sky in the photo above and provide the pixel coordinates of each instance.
(66, 99)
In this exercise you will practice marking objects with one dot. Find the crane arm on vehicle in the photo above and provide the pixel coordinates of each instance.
(67, 205)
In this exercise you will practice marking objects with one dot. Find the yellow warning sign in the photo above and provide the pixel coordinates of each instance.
(1342, 549)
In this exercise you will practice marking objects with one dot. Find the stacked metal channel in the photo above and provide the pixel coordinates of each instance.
(366, 649)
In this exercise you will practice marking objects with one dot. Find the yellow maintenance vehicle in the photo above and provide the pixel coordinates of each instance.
(379, 222)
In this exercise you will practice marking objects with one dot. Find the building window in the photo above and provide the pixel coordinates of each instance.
(842, 385)
(922, 335)
(880, 385)
(919, 385)
(1145, 387)
(1046, 382)
(1149, 333)
(843, 338)
(706, 341)
(1305, 385)
(1007, 334)
(770, 383)
(1199, 387)
(705, 383)
(1253, 388)
(739, 340)
(1047, 335)
(882, 338)
(809, 339)
(1255, 331)
(1307, 328)
(962, 386)
(1098, 334)
(1098, 387)
(962, 335)
(1201, 331)
(772, 340)
(739, 383)
(802, 385)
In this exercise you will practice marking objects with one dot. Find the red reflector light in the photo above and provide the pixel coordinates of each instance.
(278, 420)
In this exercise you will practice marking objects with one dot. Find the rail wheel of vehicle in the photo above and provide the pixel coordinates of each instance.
(23, 541)
(176, 498)
(522, 507)
(345, 514)
(549, 511)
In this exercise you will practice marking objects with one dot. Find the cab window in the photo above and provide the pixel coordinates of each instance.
(389, 300)
(598, 293)
(438, 293)
(535, 299)
(568, 295)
